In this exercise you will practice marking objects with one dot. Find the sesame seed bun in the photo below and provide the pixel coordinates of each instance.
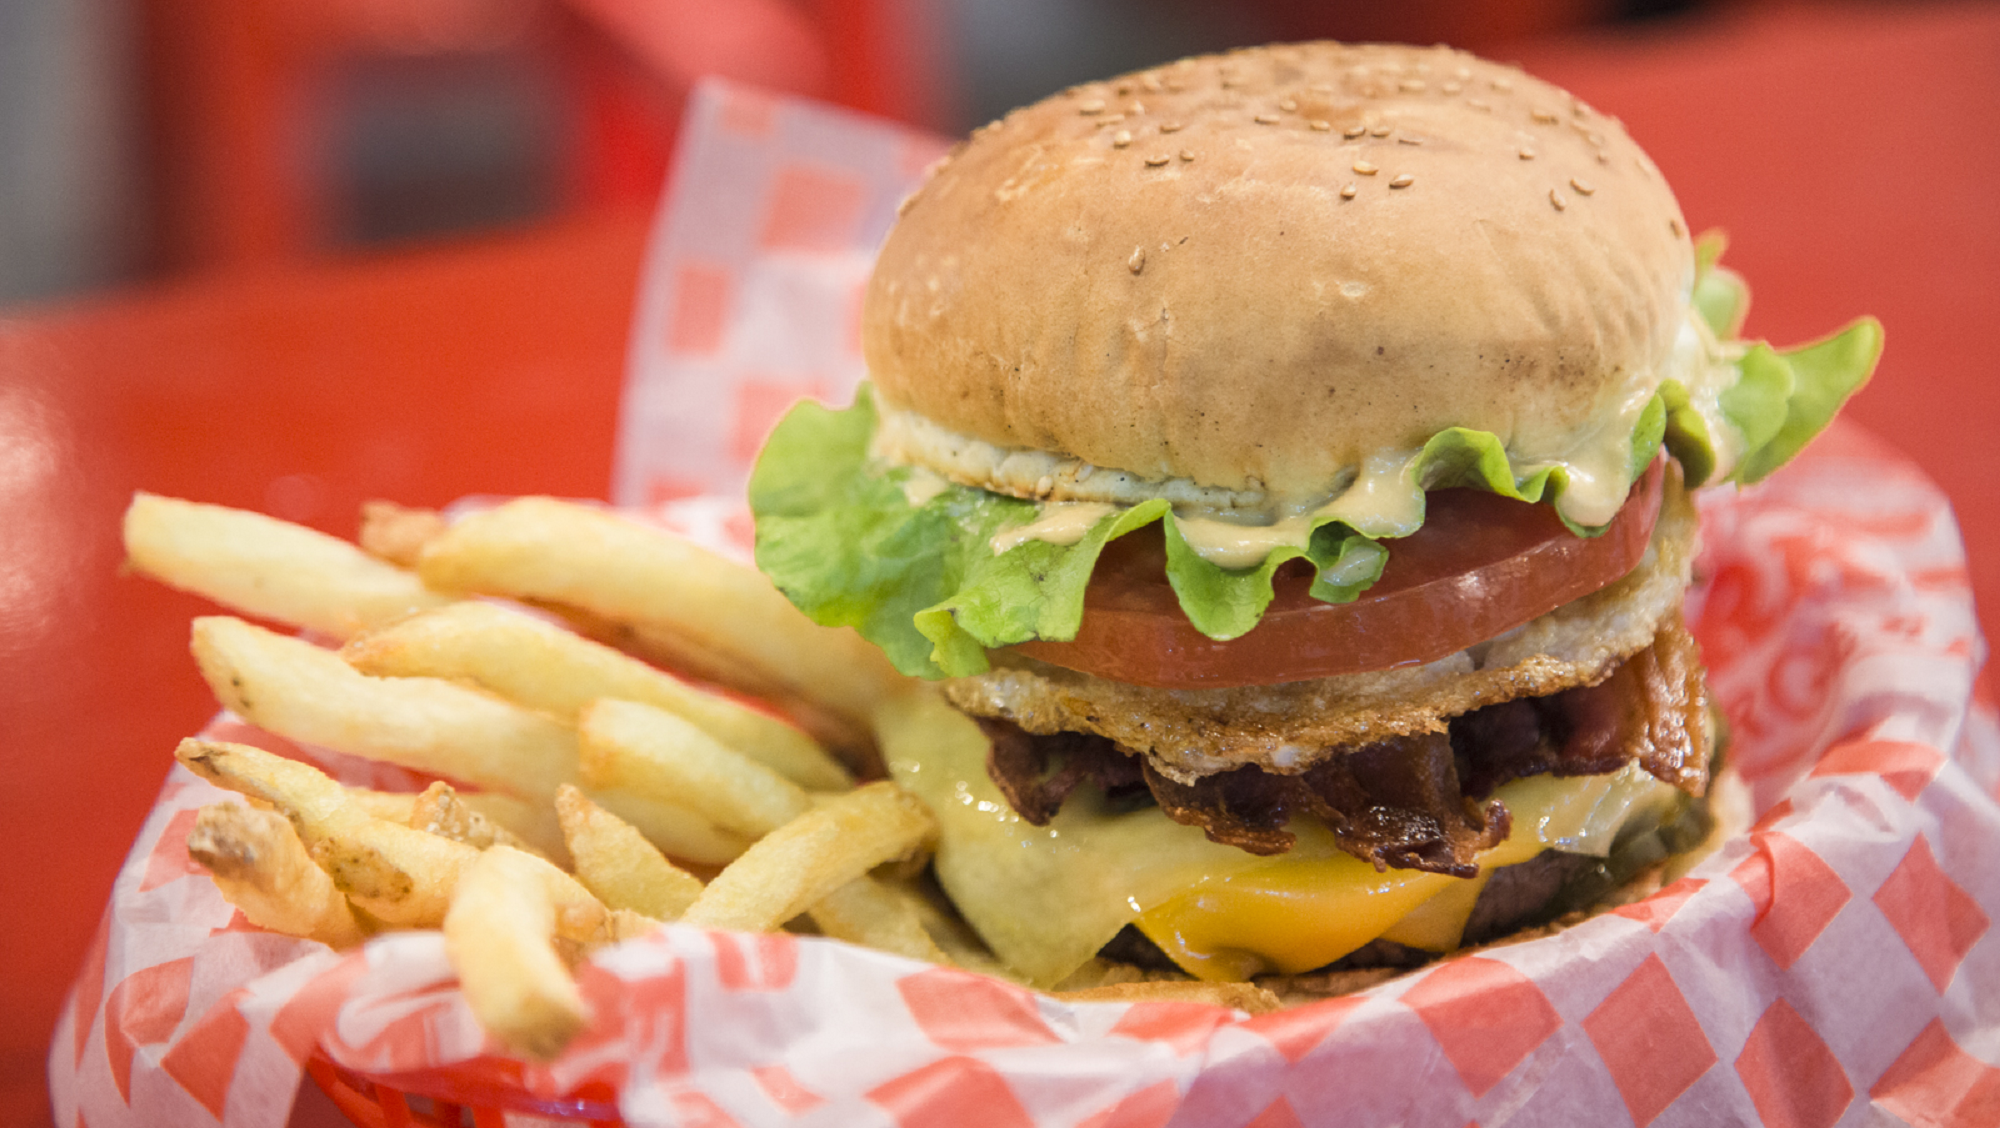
(1248, 272)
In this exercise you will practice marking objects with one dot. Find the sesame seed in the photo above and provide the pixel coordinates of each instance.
(1604, 158)
(1543, 116)
(1321, 126)
(1136, 109)
(1289, 105)
(1674, 225)
(1411, 86)
(1124, 88)
(1266, 119)
(1479, 104)
(1583, 187)
(1364, 168)
(1171, 127)
(1157, 161)
(1379, 131)
(1109, 119)
(1137, 262)
(1187, 154)
(1354, 131)
(1503, 84)
(1557, 199)
(1527, 154)
(1347, 192)
(1403, 180)
(1452, 88)
(1094, 106)
(1409, 140)
(1122, 138)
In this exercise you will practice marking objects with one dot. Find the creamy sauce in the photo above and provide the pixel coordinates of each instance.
(923, 484)
(1229, 544)
(1707, 369)
(1599, 467)
(1239, 529)
(1386, 500)
(1061, 523)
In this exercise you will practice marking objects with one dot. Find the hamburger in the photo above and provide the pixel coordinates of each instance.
(1281, 460)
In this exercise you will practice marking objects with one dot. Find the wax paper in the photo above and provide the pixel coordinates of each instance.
(1833, 965)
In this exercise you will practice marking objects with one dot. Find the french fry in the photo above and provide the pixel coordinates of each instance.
(500, 934)
(268, 568)
(304, 692)
(397, 533)
(543, 550)
(649, 751)
(533, 823)
(679, 832)
(800, 863)
(440, 810)
(390, 806)
(543, 666)
(615, 862)
(401, 876)
(837, 729)
(876, 914)
(626, 925)
(1236, 996)
(257, 860)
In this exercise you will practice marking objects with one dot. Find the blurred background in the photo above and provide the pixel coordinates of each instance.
(292, 254)
(145, 139)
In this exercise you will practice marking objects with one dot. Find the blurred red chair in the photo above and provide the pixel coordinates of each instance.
(246, 97)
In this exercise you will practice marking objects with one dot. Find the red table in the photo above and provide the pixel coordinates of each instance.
(1849, 153)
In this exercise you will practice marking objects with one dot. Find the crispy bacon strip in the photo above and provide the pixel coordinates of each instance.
(1409, 802)
(1652, 709)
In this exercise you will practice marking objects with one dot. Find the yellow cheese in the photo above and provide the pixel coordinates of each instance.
(1047, 898)
(1438, 924)
(1290, 915)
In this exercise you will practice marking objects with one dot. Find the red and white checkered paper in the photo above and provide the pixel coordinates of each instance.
(1836, 965)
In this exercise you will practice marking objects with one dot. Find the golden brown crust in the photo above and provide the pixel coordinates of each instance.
(1188, 734)
(1166, 274)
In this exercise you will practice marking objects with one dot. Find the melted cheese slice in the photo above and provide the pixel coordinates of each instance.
(1047, 898)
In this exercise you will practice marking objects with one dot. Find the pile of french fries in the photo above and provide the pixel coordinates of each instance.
(583, 793)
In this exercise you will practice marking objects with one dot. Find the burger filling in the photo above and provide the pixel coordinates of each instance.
(1361, 820)
(1407, 802)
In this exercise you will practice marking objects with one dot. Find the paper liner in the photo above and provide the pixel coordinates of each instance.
(1833, 966)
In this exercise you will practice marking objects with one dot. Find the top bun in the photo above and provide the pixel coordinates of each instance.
(1241, 275)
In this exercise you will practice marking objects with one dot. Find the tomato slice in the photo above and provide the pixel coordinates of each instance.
(1479, 566)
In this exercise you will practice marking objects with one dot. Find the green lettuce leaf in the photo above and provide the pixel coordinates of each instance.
(842, 537)
(842, 540)
(1721, 298)
(1685, 433)
(1817, 378)
(1782, 398)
